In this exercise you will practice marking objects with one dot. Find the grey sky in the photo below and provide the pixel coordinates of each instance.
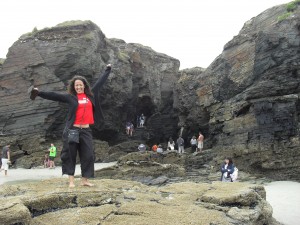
(193, 31)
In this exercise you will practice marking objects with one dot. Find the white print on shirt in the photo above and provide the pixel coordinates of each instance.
(83, 101)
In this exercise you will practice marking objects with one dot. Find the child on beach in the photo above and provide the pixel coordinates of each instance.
(46, 161)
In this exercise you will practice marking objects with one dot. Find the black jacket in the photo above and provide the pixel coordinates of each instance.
(72, 100)
(229, 170)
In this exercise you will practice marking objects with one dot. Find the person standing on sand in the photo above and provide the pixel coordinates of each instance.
(5, 158)
(84, 110)
(200, 142)
(52, 155)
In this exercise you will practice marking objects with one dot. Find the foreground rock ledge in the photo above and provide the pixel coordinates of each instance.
(128, 202)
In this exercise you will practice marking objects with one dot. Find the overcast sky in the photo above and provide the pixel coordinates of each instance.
(193, 31)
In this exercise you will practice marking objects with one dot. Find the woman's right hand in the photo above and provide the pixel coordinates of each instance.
(33, 92)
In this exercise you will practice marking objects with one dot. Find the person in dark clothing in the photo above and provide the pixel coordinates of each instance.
(180, 143)
(227, 169)
(84, 110)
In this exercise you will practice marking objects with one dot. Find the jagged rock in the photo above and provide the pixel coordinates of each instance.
(147, 172)
(127, 202)
(1, 63)
(152, 168)
(194, 118)
(167, 157)
(36, 159)
(246, 102)
(248, 98)
(142, 81)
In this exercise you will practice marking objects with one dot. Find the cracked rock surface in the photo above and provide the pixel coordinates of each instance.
(129, 202)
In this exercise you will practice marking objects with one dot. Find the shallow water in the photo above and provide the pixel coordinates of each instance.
(16, 176)
(284, 196)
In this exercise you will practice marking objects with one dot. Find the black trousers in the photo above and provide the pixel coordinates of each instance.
(194, 147)
(86, 153)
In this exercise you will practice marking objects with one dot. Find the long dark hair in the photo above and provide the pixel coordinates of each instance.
(87, 87)
(230, 160)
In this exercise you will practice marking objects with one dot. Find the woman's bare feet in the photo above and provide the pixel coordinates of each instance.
(85, 182)
(71, 182)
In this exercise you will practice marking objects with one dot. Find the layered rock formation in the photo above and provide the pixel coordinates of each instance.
(247, 100)
(142, 81)
(127, 202)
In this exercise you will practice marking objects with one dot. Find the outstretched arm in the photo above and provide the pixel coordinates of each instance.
(101, 79)
(54, 96)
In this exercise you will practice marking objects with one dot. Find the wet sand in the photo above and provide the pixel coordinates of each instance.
(284, 197)
(16, 176)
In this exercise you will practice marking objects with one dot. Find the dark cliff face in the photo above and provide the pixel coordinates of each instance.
(246, 102)
(251, 94)
(141, 81)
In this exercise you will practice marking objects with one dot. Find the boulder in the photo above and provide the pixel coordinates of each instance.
(128, 202)
(147, 172)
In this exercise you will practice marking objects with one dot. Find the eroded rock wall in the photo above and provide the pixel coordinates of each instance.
(251, 94)
(141, 81)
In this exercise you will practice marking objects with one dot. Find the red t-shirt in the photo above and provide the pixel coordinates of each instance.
(84, 116)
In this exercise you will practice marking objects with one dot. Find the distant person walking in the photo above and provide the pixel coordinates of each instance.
(171, 144)
(52, 155)
(84, 110)
(180, 143)
(227, 170)
(200, 142)
(5, 158)
(194, 144)
(142, 120)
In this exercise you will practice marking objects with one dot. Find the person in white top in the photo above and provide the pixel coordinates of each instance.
(194, 143)
(159, 149)
(171, 144)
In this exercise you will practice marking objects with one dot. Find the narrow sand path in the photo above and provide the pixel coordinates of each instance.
(26, 175)
(284, 197)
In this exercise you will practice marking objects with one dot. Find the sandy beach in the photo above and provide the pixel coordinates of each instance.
(284, 196)
(28, 175)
